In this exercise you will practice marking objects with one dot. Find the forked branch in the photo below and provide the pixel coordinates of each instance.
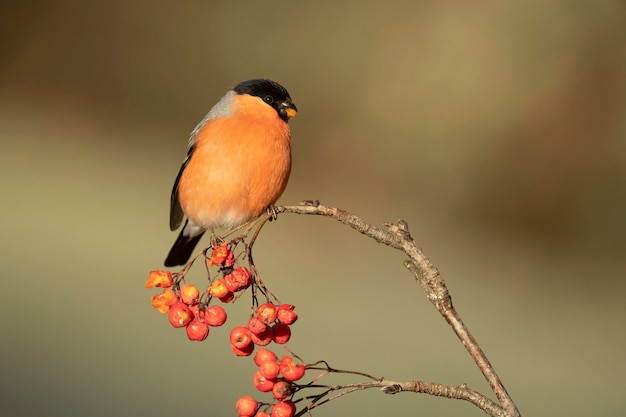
(397, 236)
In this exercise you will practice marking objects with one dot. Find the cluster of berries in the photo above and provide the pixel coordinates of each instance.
(270, 324)
(275, 376)
(235, 279)
(184, 309)
(187, 307)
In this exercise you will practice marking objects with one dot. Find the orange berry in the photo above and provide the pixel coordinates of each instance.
(163, 301)
(264, 355)
(284, 409)
(267, 313)
(227, 298)
(161, 279)
(218, 289)
(270, 369)
(246, 406)
(189, 294)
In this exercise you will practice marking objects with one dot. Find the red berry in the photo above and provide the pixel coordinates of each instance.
(263, 383)
(264, 338)
(246, 406)
(282, 333)
(215, 316)
(270, 369)
(286, 315)
(230, 283)
(284, 409)
(290, 370)
(222, 256)
(256, 326)
(240, 337)
(197, 310)
(189, 294)
(267, 313)
(180, 315)
(247, 351)
(261, 414)
(281, 390)
(264, 355)
(239, 279)
(197, 329)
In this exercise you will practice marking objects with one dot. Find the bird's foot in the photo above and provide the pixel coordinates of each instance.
(272, 212)
(216, 240)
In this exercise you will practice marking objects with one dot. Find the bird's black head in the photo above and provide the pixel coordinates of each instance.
(272, 93)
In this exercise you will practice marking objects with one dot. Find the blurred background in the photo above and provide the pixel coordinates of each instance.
(495, 129)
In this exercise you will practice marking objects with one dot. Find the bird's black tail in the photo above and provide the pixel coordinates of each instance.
(182, 249)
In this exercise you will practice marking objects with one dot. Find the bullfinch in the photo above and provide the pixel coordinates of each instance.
(237, 165)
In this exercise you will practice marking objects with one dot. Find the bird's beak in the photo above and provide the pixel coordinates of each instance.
(289, 109)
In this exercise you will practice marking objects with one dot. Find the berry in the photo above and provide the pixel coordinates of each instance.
(240, 337)
(215, 316)
(264, 338)
(267, 313)
(246, 406)
(286, 315)
(197, 329)
(270, 369)
(281, 390)
(290, 370)
(180, 315)
(222, 256)
(264, 355)
(163, 301)
(189, 294)
(247, 351)
(197, 309)
(227, 298)
(284, 409)
(239, 279)
(218, 289)
(262, 383)
(161, 279)
(282, 333)
(256, 326)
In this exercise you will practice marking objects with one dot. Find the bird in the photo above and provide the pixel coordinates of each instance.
(237, 165)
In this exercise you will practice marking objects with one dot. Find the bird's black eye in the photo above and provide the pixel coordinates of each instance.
(268, 99)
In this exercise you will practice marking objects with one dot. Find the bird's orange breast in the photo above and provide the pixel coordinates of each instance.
(239, 166)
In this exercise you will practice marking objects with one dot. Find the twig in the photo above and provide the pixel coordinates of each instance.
(397, 236)
(459, 392)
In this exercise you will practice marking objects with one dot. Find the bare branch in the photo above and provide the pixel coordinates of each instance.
(397, 236)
